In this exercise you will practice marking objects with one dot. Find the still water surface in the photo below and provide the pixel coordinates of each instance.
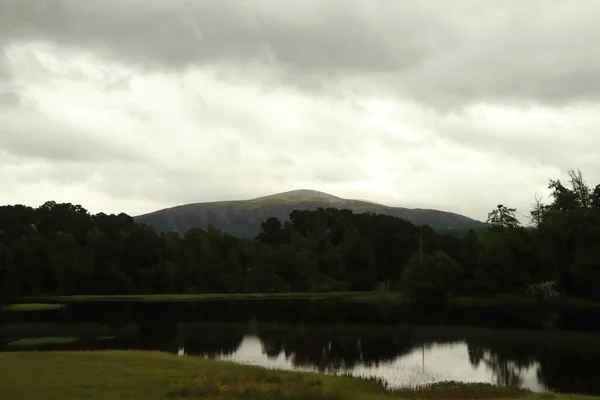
(540, 349)
(431, 362)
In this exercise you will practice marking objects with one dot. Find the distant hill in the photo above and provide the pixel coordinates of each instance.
(243, 217)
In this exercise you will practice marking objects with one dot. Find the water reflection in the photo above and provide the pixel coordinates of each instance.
(337, 338)
(429, 363)
(418, 355)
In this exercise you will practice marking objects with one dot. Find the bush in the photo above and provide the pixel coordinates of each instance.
(431, 279)
(543, 291)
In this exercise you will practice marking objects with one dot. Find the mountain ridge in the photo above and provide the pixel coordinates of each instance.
(304, 193)
(243, 217)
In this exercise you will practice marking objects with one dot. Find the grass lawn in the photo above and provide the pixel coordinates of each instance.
(132, 375)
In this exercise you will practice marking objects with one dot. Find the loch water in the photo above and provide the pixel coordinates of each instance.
(545, 349)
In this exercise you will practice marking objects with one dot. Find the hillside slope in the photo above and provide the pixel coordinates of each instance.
(243, 217)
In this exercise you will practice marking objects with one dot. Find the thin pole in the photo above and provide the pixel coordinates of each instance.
(423, 356)
(421, 242)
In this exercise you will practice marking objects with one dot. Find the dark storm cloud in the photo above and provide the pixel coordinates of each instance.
(175, 33)
(438, 52)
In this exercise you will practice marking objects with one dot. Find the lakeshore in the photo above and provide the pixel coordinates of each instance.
(120, 375)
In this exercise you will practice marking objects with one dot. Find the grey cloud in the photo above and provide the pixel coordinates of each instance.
(178, 185)
(36, 172)
(538, 146)
(338, 174)
(438, 52)
(5, 75)
(9, 98)
(177, 33)
(26, 134)
(170, 186)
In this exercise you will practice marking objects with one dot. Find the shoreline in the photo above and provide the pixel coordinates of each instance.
(360, 297)
(156, 375)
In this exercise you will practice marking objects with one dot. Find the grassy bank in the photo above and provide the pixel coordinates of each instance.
(199, 297)
(32, 307)
(130, 375)
(375, 297)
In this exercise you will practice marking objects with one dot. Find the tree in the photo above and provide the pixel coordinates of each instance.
(595, 201)
(15, 222)
(503, 217)
(470, 254)
(10, 281)
(536, 214)
(61, 249)
(582, 193)
(573, 230)
(433, 278)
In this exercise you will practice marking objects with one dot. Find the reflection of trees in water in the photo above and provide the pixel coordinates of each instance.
(572, 373)
(328, 352)
(507, 369)
(559, 369)
(158, 329)
(476, 354)
(507, 358)
(562, 367)
(380, 349)
(272, 347)
(212, 342)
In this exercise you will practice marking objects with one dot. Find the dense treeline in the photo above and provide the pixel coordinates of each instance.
(62, 249)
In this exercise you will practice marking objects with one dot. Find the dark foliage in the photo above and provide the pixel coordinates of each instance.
(60, 249)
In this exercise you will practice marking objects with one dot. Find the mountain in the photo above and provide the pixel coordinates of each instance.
(243, 217)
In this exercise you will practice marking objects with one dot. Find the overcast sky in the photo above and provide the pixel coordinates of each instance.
(131, 105)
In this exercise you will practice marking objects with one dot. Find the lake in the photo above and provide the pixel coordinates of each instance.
(541, 348)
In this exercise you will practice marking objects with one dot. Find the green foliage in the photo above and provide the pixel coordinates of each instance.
(568, 235)
(323, 250)
(60, 249)
(431, 278)
(470, 254)
(503, 217)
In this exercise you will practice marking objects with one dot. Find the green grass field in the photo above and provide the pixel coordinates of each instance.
(132, 375)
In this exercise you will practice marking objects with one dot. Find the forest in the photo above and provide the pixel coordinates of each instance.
(61, 249)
